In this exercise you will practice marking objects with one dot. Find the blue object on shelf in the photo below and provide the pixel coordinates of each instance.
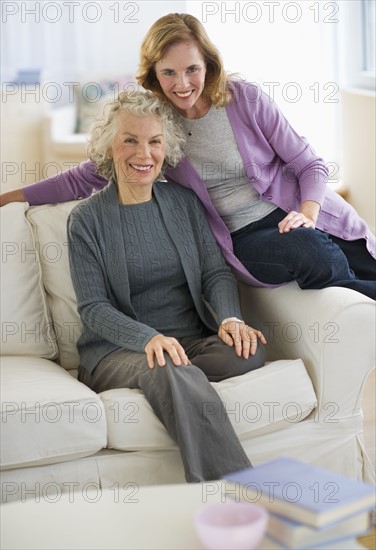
(27, 76)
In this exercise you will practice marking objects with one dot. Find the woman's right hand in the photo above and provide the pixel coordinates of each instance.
(16, 195)
(160, 344)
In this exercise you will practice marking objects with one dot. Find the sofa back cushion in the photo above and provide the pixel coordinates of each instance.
(26, 327)
(49, 223)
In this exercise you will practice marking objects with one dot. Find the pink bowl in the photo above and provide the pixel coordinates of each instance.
(231, 525)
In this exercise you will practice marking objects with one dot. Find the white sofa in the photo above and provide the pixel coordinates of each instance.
(59, 436)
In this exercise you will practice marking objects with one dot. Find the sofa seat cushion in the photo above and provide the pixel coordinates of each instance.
(261, 401)
(47, 416)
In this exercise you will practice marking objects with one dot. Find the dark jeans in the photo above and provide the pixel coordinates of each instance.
(311, 257)
(184, 400)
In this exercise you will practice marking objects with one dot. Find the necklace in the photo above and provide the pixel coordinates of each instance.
(189, 124)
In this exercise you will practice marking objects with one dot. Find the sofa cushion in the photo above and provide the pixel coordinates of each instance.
(261, 401)
(25, 316)
(47, 416)
(49, 224)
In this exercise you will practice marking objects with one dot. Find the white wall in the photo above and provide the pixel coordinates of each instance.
(21, 141)
(358, 151)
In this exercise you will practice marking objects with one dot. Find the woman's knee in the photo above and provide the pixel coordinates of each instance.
(233, 365)
(258, 360)
(313, 259)
(170, 372)
(253, 362)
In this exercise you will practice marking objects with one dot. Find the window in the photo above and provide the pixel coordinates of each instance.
(357, 44)
(368, 35)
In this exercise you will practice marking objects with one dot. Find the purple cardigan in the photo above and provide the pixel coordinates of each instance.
(279, 163)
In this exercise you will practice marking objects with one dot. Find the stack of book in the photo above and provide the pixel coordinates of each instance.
(309, 507)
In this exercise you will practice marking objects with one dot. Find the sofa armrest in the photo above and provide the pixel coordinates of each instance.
(332, 330)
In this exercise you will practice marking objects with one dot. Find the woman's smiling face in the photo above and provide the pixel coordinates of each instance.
(181, 75)
(138, 152)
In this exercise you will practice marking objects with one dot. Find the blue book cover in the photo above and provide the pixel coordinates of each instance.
(295, 535)
(268, 543)
(300, 491)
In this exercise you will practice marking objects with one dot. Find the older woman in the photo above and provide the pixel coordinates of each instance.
(263, 188)
(144, 265)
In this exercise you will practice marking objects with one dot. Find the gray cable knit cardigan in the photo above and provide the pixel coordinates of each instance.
(98, 263)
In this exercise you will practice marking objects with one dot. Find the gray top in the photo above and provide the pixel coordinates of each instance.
(99, 261)
(220, 166)
(156, 275)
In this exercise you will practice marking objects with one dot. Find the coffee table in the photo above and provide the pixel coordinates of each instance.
(157, 517)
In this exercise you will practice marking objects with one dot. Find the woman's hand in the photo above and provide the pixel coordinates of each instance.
(294, 220)
(160, 344)
(245, 339)
(307, 217)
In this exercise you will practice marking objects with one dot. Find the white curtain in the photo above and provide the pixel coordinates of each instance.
(76, 39)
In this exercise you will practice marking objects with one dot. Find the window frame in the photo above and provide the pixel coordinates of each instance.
(353, 46)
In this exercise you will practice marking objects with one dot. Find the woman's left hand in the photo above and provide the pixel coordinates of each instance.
(294, 220)
(307, 217)
(244, 338)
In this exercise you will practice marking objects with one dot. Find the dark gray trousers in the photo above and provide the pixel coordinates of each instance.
(184, 401)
